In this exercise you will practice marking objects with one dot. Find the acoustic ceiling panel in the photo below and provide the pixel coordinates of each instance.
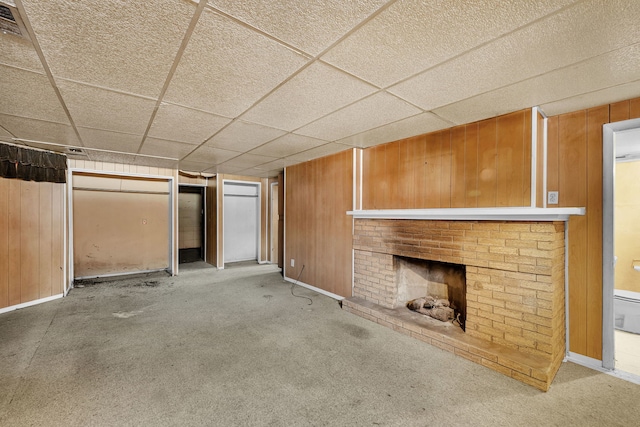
(185, 125)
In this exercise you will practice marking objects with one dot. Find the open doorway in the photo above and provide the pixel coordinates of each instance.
(621, 248)
(190, 223)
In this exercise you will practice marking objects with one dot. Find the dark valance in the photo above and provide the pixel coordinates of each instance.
(32, 165)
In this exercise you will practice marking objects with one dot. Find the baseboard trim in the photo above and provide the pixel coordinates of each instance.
(596, 365)
(30, 303)
(313, 288)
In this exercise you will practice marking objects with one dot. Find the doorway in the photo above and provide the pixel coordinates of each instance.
(241, 221)
(190, 224)
(621, 248)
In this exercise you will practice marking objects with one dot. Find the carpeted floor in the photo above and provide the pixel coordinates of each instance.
(235, 347)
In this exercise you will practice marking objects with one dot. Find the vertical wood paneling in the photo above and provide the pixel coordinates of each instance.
(540, 161)
(510, 160)
(471, 166)
(596, 118)
(391, 180)
(619, 111)
(487, 163)
(577, 284)
(212, 223)
(634, 108)
(281, 219)
(552, 154)
(58, 192)
(445, 169)
(318, 230)
(432, 178)
(526, 167)
(46, 239)
(31, 241)
(405, 184)
(458, 161)
(15, 270)
(4, 242)
(572, 159)
(419, 182)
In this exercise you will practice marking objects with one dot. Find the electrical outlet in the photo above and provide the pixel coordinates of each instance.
(552, 198)
(293, 262)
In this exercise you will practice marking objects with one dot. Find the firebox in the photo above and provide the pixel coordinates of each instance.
(433, 284)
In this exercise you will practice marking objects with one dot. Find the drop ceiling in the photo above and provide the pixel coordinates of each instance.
(250, 87)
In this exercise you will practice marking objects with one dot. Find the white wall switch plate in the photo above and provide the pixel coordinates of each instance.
(293, 262)
(552, 198)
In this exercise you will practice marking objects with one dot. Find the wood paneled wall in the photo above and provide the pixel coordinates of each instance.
(575, 171)
(482, 164)
(31, 241)
(318, 230)
(212, 223)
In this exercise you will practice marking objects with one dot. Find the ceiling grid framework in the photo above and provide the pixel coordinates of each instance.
(252, 87)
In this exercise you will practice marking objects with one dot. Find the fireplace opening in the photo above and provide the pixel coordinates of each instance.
(432, 288)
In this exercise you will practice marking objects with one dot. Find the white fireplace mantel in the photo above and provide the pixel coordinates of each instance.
(472, 214)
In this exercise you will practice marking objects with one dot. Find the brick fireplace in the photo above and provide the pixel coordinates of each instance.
(515, 320)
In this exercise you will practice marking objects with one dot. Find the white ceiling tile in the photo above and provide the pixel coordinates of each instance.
(278, 164)
(111, 157)
(228, 169)
(124, 45)
(316, 91)
(369, 113)
(288, 145)
(310, 25)
(226, 67)
(242, 136)
(185, 125)
(39, 130)
(261, 173)
(29, 94)
(570, 36)
(108, 140)
(412, 126)
(165, 148)
(609, 70)
(93, 107)
(413, 35)
(5, 135)
(210, 155)
(18, 52)
(593, 99)
(156, 162)
(316, 153)
(193, 166)
(246, 161)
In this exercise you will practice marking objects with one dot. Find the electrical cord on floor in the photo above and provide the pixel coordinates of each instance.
(296, 283)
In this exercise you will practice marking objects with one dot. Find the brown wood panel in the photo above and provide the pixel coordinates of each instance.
(510, 160)
(487, 163)
(596, 118)
(458, 162)
(552, 154)
(445, 169)
(578, 284)
(15, 227)
(46, 239)
(391, 176)
(404, 183)
(4, 242)
(471, 166)
(318, 230)
(572, 159)
(619, 111)
(634, 108)
(58, 218)
(433, 178)
(526, 166)
(419, 150)
(211, 221)
(281, 219)
(540, 161)
(29, 241)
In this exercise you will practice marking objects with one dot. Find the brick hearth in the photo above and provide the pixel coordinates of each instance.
(515, 289)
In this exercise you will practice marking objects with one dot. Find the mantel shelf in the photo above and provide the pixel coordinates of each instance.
(472, 214)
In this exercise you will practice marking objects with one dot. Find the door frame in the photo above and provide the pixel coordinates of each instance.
(258, 185)
(608, 236)
(203, 193)
(270, 219)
